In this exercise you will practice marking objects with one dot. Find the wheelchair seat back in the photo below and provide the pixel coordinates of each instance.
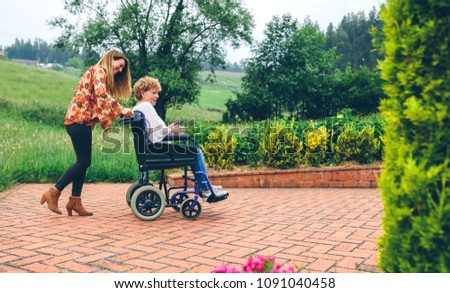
(161, 155)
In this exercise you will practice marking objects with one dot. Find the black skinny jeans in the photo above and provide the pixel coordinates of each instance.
(81, 136)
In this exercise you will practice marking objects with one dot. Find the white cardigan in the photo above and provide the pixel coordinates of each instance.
(156, 127)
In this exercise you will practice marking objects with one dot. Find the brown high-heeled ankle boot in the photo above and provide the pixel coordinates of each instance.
(76, 205)
(51, 196)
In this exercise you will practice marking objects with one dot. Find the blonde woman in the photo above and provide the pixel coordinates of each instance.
(94, 102)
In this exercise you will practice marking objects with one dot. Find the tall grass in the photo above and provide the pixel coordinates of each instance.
(35, 152)
(34, 146)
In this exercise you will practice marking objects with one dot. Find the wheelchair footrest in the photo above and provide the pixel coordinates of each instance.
(213, 198)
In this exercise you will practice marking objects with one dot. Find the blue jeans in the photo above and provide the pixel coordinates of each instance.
(200, 166)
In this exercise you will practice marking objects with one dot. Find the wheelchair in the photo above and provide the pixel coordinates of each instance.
(147, 202)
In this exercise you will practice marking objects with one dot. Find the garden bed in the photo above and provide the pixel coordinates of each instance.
(360, 176)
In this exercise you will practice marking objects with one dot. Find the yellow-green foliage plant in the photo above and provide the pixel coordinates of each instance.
(280, 145)
(415, 179)
(356, 145)
(316, 145)
(219, 147)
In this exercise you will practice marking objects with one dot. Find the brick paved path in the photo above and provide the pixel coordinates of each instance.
(322, 230)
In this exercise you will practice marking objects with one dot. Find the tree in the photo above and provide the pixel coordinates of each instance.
(415, 179)
(290, 74)
(74, 62)
(38, 50)
(165, 38)
(359, 90)
(353, 41)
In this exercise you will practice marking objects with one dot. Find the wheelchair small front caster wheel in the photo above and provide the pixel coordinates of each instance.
(148, 203)
(190, 209)
(177, 200)
(131, 190)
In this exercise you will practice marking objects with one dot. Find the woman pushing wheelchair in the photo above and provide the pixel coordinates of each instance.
(94, 102)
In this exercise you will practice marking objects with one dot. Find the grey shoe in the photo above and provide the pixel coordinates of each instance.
(216, 195)
(217, 192)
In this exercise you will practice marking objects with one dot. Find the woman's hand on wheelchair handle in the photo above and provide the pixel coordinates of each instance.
(126, 113)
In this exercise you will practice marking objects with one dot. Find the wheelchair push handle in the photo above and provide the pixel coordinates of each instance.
(125, 121)
(136, 117)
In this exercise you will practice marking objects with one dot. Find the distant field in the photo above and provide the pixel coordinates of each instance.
(215, 95)
(212, 98)
(24, 84)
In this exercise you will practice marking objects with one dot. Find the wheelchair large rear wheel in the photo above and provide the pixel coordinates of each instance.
(133, 187)
(191, 209)
(148, 203)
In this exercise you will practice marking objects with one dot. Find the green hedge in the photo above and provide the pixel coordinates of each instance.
(416, 175)
(284, 144)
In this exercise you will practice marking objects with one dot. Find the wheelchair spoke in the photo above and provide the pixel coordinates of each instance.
(190, 209)
(147, 203)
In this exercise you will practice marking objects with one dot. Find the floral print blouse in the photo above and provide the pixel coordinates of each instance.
(92, 103)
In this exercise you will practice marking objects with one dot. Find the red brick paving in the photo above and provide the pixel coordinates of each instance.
(321, 230)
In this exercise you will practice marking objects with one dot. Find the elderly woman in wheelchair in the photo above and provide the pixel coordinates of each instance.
(160, 147)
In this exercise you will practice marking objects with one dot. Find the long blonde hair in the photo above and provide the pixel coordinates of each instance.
(118, 85)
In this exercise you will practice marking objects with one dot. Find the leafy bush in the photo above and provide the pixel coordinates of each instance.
(280, 145)
(359, 90)
(368, 145)
(378, 123)
(219, 147)
(248, 148)
(316, 145)
(359, 145)
(345, 147)
(199, 130)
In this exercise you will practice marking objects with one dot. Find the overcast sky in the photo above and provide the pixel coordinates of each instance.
(27, 19)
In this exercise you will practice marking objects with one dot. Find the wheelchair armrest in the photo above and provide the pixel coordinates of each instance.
(179, 137)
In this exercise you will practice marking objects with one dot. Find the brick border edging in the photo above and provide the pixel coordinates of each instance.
(324, 177)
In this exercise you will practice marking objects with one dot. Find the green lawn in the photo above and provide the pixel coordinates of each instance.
(22, 83)
(34, 146)
(215, 95)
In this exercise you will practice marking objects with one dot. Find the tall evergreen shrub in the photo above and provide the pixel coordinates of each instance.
(415, 177)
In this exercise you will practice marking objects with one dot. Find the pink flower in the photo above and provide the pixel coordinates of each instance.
(224, 268)
(258, 264)
(278, 269)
